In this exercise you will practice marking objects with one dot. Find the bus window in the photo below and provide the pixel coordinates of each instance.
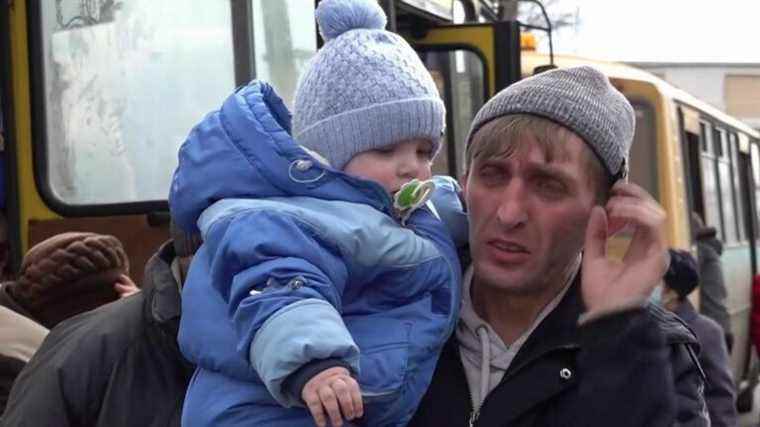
(737, 188)
(755, 163)
(725, 193)
(124, 82)
(643, 156)
(460, 77)
(710, 181)
(284, 40)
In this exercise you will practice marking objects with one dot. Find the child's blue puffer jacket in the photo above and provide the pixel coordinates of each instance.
(301, 262)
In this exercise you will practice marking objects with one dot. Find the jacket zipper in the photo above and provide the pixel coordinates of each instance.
(475, 414)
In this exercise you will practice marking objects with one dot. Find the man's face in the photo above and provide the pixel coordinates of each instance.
(528, 216)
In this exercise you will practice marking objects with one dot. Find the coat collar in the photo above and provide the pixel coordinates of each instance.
(162, 299)
(544, 366)
(558, 331)
(686, 311)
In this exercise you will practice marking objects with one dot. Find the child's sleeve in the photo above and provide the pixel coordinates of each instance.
(448, 206)
(282, 283)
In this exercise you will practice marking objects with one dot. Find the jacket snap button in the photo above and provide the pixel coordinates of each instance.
(565, 374)
(303, 165)
(297, 283)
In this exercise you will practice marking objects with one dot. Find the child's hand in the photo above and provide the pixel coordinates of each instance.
(335, 391)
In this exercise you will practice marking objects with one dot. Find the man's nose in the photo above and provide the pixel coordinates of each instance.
(512, 211)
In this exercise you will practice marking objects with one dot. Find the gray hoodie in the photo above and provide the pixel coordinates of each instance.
(485, 356)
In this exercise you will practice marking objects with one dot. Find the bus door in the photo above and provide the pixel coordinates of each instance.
(105, 92)
(470, 63)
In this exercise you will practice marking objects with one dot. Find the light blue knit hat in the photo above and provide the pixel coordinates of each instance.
(365, 89)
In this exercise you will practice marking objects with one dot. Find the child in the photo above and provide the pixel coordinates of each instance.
(312, 299)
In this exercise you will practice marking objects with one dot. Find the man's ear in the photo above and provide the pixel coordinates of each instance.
(463, 185)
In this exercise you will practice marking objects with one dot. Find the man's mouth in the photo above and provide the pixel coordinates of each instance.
(509, 246)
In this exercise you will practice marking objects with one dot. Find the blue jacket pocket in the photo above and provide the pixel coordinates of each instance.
(384, 353)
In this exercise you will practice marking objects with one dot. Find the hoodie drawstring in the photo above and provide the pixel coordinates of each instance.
(485, 365)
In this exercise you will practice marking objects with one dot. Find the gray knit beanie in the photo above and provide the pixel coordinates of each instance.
(580, 99)
(365, 89)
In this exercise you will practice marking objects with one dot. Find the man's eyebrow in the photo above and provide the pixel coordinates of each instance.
(551, 172)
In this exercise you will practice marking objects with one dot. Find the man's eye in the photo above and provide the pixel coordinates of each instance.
(551, 186)
(489, 172)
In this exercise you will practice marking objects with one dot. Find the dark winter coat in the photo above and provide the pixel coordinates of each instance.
(115, 366)
(712, 287)
(720, 390)
(634, 368)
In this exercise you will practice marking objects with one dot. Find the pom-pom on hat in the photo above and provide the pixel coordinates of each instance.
(68, 274)
(365, 89)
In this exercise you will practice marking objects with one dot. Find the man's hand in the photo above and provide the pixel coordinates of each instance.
(610, 284)
(334, 391)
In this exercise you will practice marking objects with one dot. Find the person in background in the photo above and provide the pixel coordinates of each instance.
(680, 280)
(118, 365)
(19, 339)
(68, 274)
(712, 287)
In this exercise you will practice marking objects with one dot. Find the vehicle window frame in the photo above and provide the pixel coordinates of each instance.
(736, 187)
(450, 143)
(243, 63)
(648, 108)
(708, 155)
(725, 186)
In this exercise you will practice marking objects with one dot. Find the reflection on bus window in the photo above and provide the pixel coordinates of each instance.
(643, 155)
(125, 81)
(284, 40)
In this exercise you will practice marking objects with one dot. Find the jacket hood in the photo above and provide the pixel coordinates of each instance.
(245, 150)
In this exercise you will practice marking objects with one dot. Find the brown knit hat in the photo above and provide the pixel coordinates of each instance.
(68, 274)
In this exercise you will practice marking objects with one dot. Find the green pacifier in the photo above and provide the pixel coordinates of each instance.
(411, 196)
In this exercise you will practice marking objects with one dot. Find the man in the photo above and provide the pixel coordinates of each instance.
(118, 365)
(552, 332)
(680, 280)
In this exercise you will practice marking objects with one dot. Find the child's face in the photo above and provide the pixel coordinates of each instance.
(394, 165)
